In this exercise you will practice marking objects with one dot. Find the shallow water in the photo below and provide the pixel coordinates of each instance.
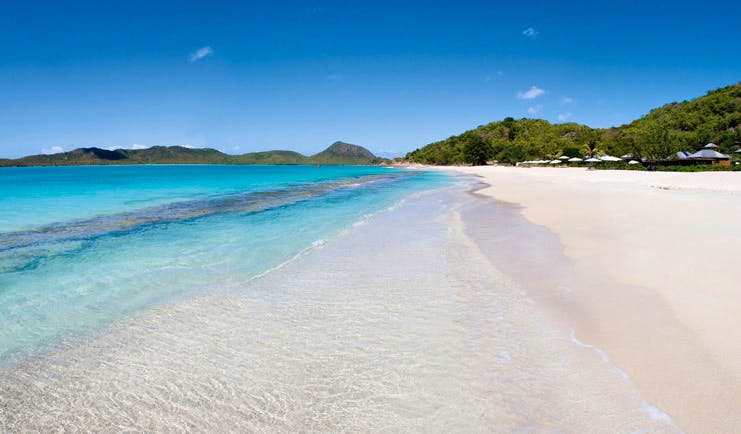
(401, 324)
(86, 256)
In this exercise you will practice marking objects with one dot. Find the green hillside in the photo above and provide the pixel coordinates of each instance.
(345, 153)
(338, 154)
(271, 157)
(688, 125)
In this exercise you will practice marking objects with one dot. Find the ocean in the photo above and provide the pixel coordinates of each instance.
(285, 299)
(83, 247)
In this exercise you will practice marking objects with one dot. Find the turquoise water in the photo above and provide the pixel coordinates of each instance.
(83, 247)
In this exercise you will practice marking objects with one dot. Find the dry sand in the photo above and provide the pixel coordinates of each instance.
(657, 282)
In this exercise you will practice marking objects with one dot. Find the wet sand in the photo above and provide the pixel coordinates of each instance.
(652, 279)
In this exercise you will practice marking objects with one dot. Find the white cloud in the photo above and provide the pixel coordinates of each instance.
(532, 93)
(530, 32)
(235, 148)
(534, 110)
(53, 150)
(189, 146)
(200, 54)
(566, 100)
(563, 116)
(138, 146)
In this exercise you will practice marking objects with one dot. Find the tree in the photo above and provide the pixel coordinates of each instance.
(657, 144)
(591, 148)
(477, 152)
(513, 154)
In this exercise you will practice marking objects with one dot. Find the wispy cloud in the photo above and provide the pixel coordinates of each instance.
(489, 77)
(53, 150)
(534, 110)
(532, 93)
(563, 116)
(313, 10)
(530, 32)
(200, 54)
(235, 148)
(138, 146)
(566, 100)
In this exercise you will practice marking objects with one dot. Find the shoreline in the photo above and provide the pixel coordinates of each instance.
(659, 300)
(402, 324)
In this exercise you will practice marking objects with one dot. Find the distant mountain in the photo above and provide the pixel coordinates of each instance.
(339, 153)
(271, 157)
(345, 153)
(678, 126)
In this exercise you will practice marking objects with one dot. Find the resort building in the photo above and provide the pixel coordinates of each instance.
(708, 154)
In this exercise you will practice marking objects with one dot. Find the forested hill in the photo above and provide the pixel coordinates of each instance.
(688, 125)
(339, 153)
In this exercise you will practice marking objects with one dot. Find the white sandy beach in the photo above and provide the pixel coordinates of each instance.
(402, 324)
(656, 282)
(451, 312)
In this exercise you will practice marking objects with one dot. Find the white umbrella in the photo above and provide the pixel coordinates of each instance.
(575, 160)
(633, 162)
(610, 158)
(563, 157)
(710, 146)
(556, 162)
(593, 160)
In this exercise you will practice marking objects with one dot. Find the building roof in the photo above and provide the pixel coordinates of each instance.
(708, 154)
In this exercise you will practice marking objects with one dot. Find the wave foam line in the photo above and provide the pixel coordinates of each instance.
(653, 412)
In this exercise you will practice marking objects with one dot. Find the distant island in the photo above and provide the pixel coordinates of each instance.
(339, 153)
(674, 127)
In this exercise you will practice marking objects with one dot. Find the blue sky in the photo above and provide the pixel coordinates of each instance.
(391, 76)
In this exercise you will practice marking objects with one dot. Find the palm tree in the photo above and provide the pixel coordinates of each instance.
(591, 149)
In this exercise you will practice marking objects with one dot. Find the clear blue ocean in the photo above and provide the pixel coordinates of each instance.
(83, 247)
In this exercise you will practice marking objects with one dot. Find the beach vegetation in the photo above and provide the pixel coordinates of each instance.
(477, 152)
(677, 126)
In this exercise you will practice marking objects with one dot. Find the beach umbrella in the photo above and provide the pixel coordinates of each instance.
(633, 162)
(593, 160)
(556, 162)
(575, 160)
(738, 151)
(565, 157)
(710, 146)
(610, 158)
